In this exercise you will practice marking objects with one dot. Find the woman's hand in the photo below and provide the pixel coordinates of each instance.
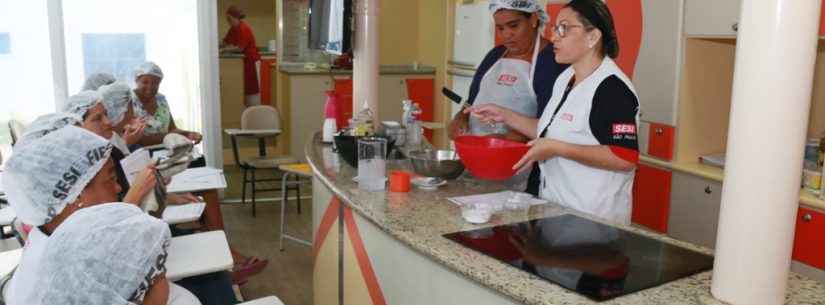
(540, 149)
(133, 132)
(158, 293)
(194, 136)
(490, 113)
(458, 126)
(182, 198)
(143, 183)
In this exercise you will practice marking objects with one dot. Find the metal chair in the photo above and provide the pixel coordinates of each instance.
(297, 171)
(259, 118)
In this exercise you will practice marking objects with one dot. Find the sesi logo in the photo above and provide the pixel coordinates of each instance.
(624, 129)
(507, 79)
(567, 117)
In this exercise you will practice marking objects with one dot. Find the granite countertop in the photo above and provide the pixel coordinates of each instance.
(420, 218)
(298, 69)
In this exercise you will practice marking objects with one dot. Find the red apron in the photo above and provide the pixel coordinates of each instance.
(242, 37)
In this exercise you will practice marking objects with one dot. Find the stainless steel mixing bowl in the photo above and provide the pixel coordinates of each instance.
(443, 164)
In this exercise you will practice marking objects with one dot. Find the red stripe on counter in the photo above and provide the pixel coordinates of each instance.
(626, 154)
(363, 259)
(330, 215)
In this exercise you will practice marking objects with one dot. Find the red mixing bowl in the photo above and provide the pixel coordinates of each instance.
(488, 157)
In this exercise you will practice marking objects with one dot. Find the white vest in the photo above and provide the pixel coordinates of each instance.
(602, 193)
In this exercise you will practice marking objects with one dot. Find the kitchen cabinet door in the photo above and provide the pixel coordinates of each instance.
(714, 18)
(306, 97)
(392, 90)
(809, 241)
(694, 209)
(661, 141)
(657, 68)
(651, 198)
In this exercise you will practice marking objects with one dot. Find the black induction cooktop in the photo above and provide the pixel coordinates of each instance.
(598, 261)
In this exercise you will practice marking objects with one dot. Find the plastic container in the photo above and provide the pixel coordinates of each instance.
(330, 126)
(812, 180)
(489, 158)
(399, 181)
(476, 213)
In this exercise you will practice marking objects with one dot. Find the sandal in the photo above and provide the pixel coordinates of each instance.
(251, 266)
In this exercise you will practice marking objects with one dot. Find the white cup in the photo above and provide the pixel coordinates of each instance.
(273, 45)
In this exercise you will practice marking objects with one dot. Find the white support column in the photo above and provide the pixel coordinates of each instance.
(209, 82)
(57, 44)
(366, 59)
(775, 56)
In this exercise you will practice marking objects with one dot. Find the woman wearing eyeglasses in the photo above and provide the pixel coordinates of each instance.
(513, 75)
(585, 141)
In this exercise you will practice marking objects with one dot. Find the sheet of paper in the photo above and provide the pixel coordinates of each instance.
(197, 179)
(134, 163)
(181, 213)
(491, 198)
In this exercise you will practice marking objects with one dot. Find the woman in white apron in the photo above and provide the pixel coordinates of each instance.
(508, 74)
(585, 141)
(505, 77)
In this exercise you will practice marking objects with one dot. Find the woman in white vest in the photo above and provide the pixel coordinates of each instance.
(585, 141)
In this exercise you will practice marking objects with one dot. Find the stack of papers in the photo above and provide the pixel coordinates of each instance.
(197, 179)
(175, 214)
(491, 199)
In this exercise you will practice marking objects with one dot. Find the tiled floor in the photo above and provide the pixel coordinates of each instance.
(289, 274)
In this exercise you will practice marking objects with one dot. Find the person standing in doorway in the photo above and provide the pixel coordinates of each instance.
(240, 35)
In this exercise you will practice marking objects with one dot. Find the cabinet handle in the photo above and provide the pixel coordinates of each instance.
(708, 190)
(807, 217)
(735, 27)
(659, 131)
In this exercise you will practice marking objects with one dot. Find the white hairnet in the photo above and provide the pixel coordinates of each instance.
(80, 103)
(44, 176)
(527, 6)
(94, 81)
(148, 68)
(45, 124)
(116, 98)
(104, 254)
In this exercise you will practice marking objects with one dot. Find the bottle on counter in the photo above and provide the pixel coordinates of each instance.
(413, 126)
(330, 125)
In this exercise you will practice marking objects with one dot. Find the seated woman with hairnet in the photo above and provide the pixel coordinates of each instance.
(88, 106)
(210, 288)
(47, 180)
(85, 264)
(151, 106)
(115, 99)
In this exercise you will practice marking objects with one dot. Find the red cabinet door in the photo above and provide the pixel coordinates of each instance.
(422, 91)
(809, 241)
(661, 141)
(651, 198)
(822, 21)
(343, 88)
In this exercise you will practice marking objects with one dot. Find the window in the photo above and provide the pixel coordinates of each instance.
(25, 66)
(5, 43)
(113, 53)
(115, 36)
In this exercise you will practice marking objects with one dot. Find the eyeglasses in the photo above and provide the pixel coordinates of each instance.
(562, 29)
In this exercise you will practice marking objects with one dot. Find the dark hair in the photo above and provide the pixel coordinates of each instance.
(595, 14)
